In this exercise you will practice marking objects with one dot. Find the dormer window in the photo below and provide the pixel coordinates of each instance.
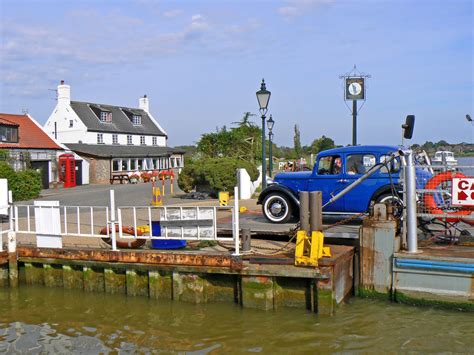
(136, 119)
(105, 116)
(8, 134)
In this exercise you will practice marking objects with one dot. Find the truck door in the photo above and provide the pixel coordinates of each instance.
(357, 164)
(328, 178)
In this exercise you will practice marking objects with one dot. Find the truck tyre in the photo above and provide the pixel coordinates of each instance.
(277, 208)
(395, 201)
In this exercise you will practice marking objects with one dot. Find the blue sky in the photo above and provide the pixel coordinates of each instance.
(201, 62)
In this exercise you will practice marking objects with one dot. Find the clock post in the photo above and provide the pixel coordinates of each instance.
(354, 84)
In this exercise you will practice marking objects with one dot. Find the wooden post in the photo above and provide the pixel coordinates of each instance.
(304, 211)
(316, 211)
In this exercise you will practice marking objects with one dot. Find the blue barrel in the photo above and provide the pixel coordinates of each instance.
(164, 244)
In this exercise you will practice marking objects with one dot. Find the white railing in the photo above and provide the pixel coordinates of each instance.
(175, 222)
(78, 221)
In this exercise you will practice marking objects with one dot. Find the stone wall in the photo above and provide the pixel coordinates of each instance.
(99, 171)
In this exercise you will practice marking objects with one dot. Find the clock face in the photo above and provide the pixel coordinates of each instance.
(355, 88)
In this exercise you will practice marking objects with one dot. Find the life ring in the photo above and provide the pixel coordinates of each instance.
(432, 207)
(124, 243)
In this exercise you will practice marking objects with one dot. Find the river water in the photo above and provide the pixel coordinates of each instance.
(38, 320)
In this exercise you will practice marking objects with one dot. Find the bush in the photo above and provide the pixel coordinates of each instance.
(214, 175)
(25, 185)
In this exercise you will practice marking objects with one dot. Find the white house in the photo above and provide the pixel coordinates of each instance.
(113, 140)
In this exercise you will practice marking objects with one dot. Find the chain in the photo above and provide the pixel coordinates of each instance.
(344, 221)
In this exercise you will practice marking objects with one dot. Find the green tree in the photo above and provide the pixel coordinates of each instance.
(297, 141)
(321, 144)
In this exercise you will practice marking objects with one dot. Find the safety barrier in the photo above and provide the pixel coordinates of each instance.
(175, 222)
(437, 215)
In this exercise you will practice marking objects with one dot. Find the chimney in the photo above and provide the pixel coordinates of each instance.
(144, 104)
(64, 94)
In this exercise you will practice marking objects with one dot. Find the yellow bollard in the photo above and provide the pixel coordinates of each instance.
(157, 199)
(223, 198)
(310, 249)
(172, 184)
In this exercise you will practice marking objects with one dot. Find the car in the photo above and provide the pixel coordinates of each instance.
(334, 170)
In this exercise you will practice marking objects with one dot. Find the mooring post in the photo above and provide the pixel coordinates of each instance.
(236, 222)
(112, 220)
(315, 208)
(304, 212)
(410, 188)
(246, 240)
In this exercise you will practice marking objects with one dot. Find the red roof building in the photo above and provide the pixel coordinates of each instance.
(22, 132)
(29, 146)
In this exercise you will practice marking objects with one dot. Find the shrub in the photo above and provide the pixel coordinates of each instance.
(25, 185)
(214, 175)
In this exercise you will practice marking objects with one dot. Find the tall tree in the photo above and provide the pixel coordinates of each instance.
(297, 141)
(321, 144)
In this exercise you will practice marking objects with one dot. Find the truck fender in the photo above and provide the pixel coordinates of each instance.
(282, 189)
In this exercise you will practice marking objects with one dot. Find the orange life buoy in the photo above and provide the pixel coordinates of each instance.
(122, 242)
(430, 203)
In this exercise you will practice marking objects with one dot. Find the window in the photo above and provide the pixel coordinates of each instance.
(71, 123)
(137, 119)
(100, 138)
(140, 164)
(359, 163)
(394, 165)
(9, 134)
(330, 165)
(116, 165)
(124, 164)
(154, 140)
(133, 164)
(129, 140)
(142, 140)
(106, 116)
(114, 139)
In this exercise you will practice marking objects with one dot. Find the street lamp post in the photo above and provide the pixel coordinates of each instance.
(263, 97)
(270, 123)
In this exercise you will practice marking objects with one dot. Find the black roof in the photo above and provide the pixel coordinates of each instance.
(121, 122)
(122, 151)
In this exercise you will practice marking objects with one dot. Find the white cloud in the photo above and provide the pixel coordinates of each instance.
(297, 8)
(172, 13)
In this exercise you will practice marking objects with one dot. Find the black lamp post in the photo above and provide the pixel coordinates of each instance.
(263, 96)
(270, 123)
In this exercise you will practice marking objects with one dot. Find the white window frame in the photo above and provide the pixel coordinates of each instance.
(129, 139)
(100, 138)
(105, 117)
(154, 140)
(137, 120)
(115, 138)
(142, 140)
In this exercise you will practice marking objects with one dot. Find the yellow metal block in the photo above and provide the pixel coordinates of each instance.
(157, 199)
(243, 209)
(310, 249)
(223, 198)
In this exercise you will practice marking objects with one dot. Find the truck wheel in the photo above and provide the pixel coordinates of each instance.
(395, 201)
(277, 208)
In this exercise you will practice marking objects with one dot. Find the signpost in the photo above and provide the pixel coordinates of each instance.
(463, 191)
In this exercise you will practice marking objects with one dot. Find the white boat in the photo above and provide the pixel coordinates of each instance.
(444, 157)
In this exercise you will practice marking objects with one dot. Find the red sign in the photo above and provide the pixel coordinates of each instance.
(463, 191)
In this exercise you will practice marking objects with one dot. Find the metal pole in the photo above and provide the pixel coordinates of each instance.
(410, 180)
(264, 161)
(354, 122)
(270, 157)
(316, 211)
(112, 220)
(304, 211)
(236, 222)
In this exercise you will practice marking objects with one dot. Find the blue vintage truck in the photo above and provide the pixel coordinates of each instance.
(334, 170)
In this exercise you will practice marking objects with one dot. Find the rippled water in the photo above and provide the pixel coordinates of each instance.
(36, 319)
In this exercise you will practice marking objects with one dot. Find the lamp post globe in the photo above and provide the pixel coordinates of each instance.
(263, 97)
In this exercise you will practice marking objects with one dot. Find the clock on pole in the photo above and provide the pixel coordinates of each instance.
(354, 90)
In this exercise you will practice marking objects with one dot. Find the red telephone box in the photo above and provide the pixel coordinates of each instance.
(67, 170)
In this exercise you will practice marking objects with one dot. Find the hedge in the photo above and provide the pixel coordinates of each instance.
(25, 185)
(214, 174)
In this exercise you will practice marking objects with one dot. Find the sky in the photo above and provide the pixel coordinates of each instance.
(200, 63)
